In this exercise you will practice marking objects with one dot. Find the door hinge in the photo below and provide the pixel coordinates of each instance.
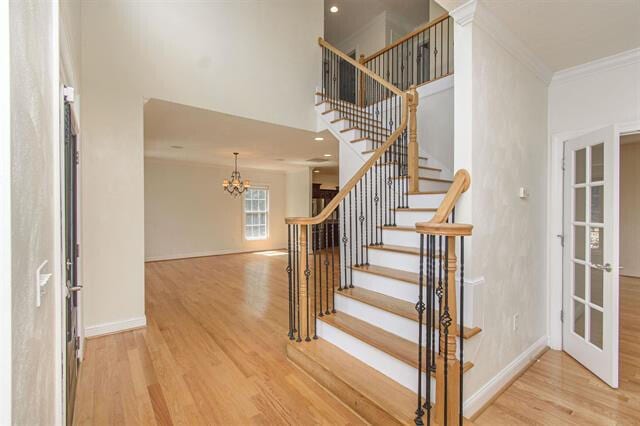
(77, 343)
(561, 315)
(68, 93)
(77, 250)
(563, 164)
(76, 156)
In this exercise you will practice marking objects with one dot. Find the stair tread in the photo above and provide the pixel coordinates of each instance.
(427, 192)
(398, 228)
(369, 151)
(393, 398)
(397, 274)
(430, 179)
(362, 114)
(395, 248)
(389, 343)
(395, 306)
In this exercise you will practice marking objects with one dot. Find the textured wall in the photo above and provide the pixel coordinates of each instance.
(188, 214)
(33, 135)
(509, 135)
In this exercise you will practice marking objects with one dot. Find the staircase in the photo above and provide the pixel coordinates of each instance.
(376, 301)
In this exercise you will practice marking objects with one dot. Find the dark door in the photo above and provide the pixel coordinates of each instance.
(71, 258)
(348, 80)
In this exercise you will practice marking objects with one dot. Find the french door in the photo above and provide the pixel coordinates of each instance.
(590, 273)
(70, 192)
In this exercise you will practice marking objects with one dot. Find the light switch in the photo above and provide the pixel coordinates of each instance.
(523, 193)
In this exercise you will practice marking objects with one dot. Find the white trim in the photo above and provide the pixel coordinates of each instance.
(115, 327)
(622, 59)
(5, 218)
(477, 13)
(490, 389)
(206, 253)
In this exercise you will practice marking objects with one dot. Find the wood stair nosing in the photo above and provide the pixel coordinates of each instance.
(372, 395)
(363, 114)
(427, 192)
(416, 209)
(358, 118)
(398, 228)
(389, 343)
(397, 307)
(368, 132)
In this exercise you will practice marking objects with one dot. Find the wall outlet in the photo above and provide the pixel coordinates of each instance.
(516, 322)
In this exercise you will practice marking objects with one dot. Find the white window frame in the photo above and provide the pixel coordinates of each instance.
(245, 212)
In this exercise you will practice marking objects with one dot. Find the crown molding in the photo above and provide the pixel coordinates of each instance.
(476, 12)
(622, 59)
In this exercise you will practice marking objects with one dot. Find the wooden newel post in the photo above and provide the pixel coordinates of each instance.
(361, 90)
(413, 157)
(305, 298)
(447, 348)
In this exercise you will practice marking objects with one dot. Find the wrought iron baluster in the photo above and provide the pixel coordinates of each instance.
(326, 265)
(461, 396)
(420, 309)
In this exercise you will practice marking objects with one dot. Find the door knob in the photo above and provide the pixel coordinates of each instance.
(75, 288)
(605, 267)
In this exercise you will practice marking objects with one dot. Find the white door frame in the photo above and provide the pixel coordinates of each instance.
(555, 225)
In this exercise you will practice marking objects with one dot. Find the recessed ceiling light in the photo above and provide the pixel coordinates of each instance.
(316, 171)
(318, 139)
(333, 9)
(177, 146)
(327, 155)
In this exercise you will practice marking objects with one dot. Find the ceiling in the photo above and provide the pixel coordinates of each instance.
(212, 137)
(566, 33)
(354, 14)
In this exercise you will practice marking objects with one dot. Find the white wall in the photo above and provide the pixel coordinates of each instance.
(591, 96)
(368, 39)
(256, 59)
(435, 123)
(500, 137)
(188, 214)
(5, 218)
(629, 208)
(298, 193)
(34, 211)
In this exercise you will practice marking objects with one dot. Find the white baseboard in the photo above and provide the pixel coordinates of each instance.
(115, 327)
(206, 253)
(483, 395)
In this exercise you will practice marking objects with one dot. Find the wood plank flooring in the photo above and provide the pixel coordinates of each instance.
(557, 390)
(213, 353)
(205, 360)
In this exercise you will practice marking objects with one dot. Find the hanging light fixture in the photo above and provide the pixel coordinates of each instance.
(235, 186)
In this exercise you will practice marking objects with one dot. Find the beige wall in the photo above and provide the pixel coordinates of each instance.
(133, 50)
(298, 193)
(630, 208)
(188, 214)
(34, 209)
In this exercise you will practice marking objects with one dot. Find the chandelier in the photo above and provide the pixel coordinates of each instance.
(235, 186)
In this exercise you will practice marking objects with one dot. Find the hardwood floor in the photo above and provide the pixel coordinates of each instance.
(204, 359)
(557, 390)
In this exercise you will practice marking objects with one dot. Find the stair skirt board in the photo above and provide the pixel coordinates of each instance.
(387, 286)
(386, 364)
(398, 325)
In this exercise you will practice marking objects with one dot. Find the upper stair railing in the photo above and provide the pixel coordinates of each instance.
(437, 306)
(355, 217)
(422, 56)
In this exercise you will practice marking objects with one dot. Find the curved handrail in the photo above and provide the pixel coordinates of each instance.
(406, 37)
(437, 225)
(335, 202)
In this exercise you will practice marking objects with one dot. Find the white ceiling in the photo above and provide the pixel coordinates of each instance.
(566, 33)
(355, 14)
(211, 137)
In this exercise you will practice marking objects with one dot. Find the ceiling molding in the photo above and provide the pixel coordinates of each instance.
(622, 59)
(475, 12)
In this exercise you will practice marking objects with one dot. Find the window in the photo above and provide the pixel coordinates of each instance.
(256, 213)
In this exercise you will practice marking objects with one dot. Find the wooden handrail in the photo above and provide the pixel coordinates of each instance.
(407, 37)
(322, 42)
(333, 204)
(461, 182)
(445, 229)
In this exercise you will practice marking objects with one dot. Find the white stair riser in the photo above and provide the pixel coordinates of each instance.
(388, 286)
(402, 373)
(398, 325)
(425, 200)
(400, 238)
(395, 260)
(409, 218)
(429, 185)
(431, 173)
